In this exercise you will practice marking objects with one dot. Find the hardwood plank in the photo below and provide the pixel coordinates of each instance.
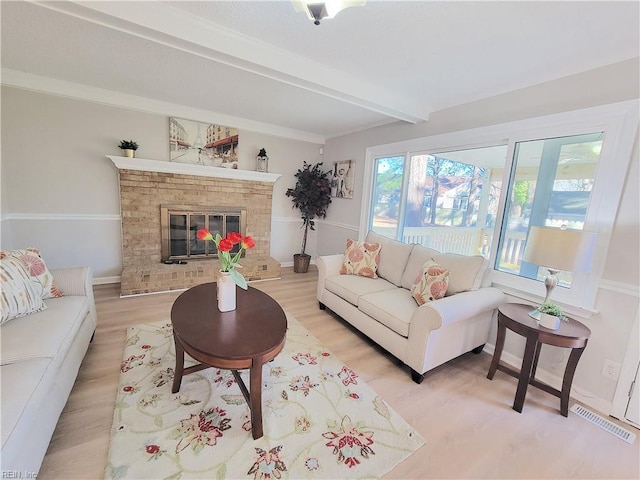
(466, 419)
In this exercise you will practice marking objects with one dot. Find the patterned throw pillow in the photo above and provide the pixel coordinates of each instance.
(361, 258)
(431, 283)
(36, 268)
(19, 297)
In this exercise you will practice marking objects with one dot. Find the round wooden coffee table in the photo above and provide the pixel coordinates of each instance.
(247, 337)
(571, 334)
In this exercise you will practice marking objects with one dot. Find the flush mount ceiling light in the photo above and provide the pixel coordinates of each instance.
(316, 11)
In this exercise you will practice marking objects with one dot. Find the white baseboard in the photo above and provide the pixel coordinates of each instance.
(577, 393)
(290, 264)
(106, 280)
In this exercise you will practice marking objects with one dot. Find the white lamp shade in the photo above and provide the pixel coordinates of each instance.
(568, 250)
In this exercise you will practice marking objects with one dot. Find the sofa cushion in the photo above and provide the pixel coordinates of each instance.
(39, 274)
(360, 258)
(431, 284)
(393, 308)
(419, 255)
(24, 389)
(19, 296)
(46, 333)
(466, 271)
(393, 257)
(352, 287)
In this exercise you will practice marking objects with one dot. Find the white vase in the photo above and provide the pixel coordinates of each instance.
(226, 292)
(549, 321)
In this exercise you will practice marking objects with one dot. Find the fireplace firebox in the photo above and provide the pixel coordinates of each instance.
(180, 224)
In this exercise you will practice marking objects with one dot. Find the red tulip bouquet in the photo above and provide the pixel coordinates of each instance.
(224, 246)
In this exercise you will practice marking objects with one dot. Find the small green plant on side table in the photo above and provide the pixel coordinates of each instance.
(550, 315)
(551, 309)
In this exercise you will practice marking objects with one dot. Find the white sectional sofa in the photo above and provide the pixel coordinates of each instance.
(41, 354)
(384, 309)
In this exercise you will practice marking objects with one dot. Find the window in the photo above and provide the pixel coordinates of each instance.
(386, 195)
(550, 186)
(461, 202)
(447, 200)
(483, 197)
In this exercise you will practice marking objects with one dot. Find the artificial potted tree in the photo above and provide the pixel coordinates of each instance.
(312, 196)
(129, 148)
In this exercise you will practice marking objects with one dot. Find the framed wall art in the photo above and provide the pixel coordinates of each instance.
(342, 179)
(202, 143)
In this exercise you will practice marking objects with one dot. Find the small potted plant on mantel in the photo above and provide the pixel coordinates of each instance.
(129, 148)
(312, 196)
(550, 315)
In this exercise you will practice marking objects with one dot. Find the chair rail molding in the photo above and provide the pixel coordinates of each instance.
(60, 216)
(344, 226)
(620, 287)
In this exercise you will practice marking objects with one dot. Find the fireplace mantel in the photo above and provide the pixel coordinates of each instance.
(126, 163)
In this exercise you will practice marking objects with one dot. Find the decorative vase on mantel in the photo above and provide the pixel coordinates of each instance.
(226, 292)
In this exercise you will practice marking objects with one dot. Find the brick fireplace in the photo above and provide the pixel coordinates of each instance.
(146, 185)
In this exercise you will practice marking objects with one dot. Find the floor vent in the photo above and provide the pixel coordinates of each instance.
(603, 423)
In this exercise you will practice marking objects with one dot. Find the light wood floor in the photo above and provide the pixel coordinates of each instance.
(467, 421)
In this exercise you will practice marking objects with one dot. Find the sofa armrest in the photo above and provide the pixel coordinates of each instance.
(77, 281)
(464, 305)
(447, 311)
(456, 308)
(74, 280)
(328, 265)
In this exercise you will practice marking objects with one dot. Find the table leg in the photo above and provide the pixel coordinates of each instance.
(177, 374)
(256, 398)
(497, 352)
(536, 357)
(525, 373)
(569, 371)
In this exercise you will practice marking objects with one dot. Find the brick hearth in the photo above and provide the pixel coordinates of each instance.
(142, 193)
(161, 278)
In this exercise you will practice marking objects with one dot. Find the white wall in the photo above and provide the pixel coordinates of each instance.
(617, 299)
(60, 193)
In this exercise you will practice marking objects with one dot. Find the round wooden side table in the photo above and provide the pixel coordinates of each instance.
(571, 334)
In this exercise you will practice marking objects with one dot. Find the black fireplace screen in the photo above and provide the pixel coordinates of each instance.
(180, 225)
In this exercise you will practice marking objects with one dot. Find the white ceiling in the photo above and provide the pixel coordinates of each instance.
(262, 65)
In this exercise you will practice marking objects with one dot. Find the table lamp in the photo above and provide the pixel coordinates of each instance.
(559, 249)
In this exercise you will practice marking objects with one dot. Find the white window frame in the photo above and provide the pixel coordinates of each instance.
(619, 121)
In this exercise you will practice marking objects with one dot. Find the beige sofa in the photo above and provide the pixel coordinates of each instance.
(384, 309)
(41, 354)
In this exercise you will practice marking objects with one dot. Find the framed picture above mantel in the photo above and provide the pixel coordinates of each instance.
(204, 144)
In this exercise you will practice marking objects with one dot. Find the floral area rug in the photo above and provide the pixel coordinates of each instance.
(320, 419)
